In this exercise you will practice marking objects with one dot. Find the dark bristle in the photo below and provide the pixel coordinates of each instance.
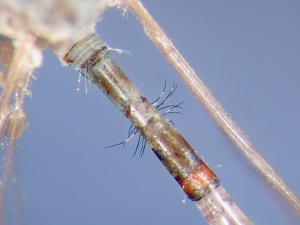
(165, 110)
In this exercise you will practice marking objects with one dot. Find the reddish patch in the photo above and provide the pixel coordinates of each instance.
(198, 183)
(127, 111)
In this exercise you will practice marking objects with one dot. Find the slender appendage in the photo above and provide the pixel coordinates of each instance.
(11, 127)
(5, 180)
(19, 61)
(165, 46)
(219, 209)
(91, 57)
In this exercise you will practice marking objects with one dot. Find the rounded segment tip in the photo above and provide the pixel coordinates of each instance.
(84, 53)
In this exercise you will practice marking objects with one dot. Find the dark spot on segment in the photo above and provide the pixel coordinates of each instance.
(143, 99)
(158, 156)
(151, 121)
(93, 59)
(127, 111)
(67, 59)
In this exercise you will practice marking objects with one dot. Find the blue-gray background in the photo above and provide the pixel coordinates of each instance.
(247, 53)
